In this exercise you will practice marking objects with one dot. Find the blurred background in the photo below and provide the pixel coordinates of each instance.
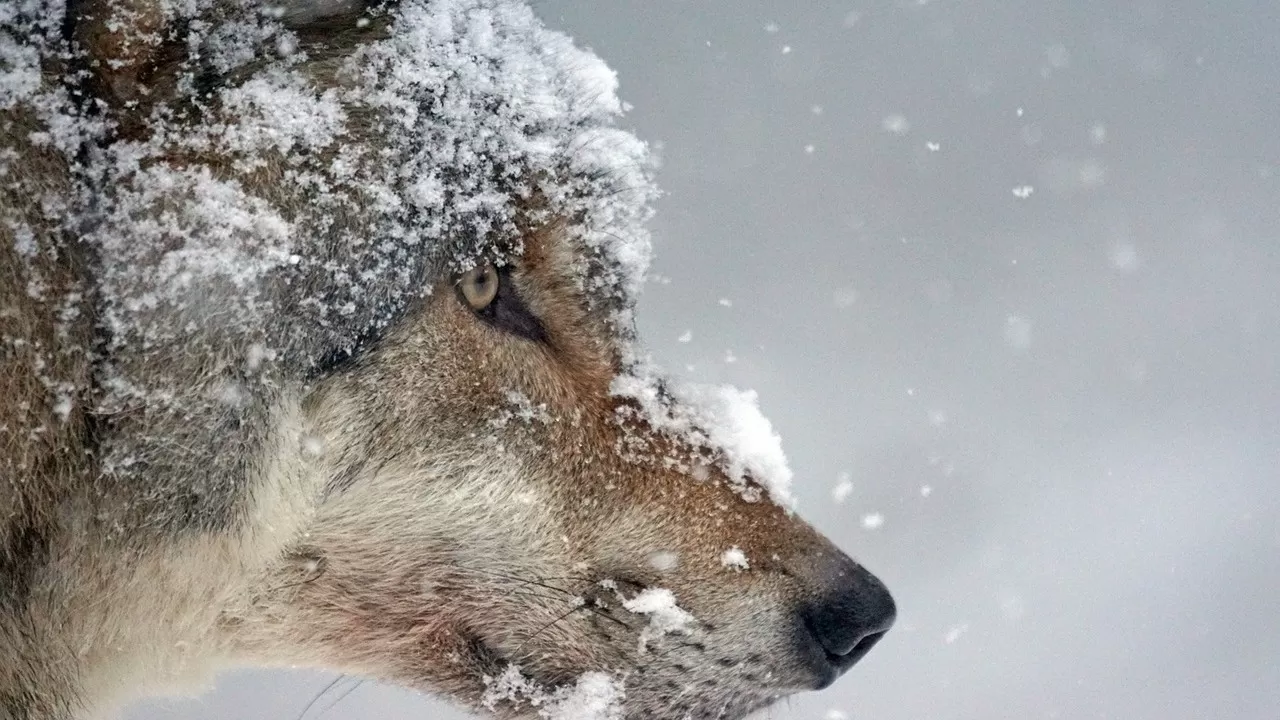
(1006, 275)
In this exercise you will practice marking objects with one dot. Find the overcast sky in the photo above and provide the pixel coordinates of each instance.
(1012, 270)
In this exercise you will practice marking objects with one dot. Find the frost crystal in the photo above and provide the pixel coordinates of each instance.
(663, 560)
(595, 696)
(843, 488)
(895, 124)
(735, 559)
(19, 71)
(1017, 332)
(665, 616)
(721, 418)
(1124, 257)
(520, 407)
(954, 632)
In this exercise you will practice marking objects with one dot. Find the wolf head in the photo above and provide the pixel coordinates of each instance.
(365, 393)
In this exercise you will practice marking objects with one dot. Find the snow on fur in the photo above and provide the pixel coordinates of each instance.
(595, 696)
(484, 102)
(735, 559)
(721, 418)
(428, 149)
(665, 616)
(481, 116)
(19, 71)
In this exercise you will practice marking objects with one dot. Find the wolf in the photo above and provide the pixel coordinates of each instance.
(318, 350)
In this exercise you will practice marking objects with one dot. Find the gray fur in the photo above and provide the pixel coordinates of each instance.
(308, 455)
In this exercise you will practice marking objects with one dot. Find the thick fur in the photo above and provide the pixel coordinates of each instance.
(400, 490)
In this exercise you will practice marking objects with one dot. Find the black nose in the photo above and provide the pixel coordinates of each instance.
(850, 615)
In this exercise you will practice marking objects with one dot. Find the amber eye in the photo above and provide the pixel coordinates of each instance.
(479, 285)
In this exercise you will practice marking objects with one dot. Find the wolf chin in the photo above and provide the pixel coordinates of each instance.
(317, 350)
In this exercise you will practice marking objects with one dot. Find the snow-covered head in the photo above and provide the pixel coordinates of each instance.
(362, 282)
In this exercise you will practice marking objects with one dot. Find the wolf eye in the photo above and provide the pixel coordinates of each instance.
(492, 294)
(479, 286)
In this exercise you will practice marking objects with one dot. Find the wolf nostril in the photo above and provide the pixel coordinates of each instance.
(851, 616)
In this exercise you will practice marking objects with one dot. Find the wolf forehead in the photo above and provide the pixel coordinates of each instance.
(332, 177)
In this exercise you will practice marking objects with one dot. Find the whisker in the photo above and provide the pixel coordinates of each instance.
(340, 698)
(514, 578)
(322, 693)
(601, 612)
(542, 582)
(540, 630)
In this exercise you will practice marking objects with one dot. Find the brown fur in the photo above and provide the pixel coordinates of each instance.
(449, 499)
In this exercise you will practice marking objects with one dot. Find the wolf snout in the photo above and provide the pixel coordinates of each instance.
(852, 610)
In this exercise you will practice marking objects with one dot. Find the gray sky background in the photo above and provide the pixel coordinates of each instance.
(1063, 401)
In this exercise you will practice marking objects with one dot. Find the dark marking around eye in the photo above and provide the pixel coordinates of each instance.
(508, 312)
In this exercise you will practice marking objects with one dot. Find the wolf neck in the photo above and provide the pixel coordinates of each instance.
(108, 621)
